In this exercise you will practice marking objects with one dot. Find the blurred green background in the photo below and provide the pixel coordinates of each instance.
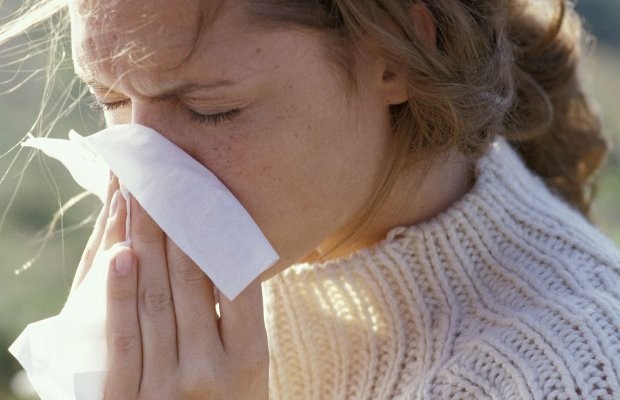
(30, 197)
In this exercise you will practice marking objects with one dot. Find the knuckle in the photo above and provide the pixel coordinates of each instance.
(156, 299)
(124, 344)
(120, 295)
(183, 269)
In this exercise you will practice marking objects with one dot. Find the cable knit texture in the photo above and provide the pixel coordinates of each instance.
(509, 294)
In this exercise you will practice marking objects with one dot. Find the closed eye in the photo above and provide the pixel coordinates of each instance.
(97, 105)
(213, 119)
(207, 119)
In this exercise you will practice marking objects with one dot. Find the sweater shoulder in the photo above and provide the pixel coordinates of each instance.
(527, 343)
(511, 219)
(535, 293)
(491, 367)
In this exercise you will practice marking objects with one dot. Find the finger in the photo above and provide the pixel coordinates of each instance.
(194, 306)
(115, 226)
(156, 311)
(242, 323)
(92, 246)
(123, 328)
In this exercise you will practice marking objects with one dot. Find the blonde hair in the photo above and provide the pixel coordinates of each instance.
(499, 67)
(49, 41)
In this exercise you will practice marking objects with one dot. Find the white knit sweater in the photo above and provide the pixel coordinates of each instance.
(509, 294)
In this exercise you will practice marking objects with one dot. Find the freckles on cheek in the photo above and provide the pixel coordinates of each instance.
(233, 159)
(216, 154)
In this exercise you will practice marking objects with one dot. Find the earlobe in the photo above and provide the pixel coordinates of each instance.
(395, 88)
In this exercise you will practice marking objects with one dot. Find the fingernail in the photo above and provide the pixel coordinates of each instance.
(114, 204)
(123, 263)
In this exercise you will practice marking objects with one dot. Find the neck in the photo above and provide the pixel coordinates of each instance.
(420, 193)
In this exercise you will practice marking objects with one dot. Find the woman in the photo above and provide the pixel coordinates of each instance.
(374, 144)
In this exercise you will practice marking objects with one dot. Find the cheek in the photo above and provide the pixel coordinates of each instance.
(301, 174)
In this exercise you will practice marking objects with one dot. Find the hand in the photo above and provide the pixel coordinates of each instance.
(165, 340)
(95, 243)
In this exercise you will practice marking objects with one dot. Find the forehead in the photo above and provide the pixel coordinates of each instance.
(126, 34)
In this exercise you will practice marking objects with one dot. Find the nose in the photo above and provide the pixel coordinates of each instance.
(163, 117)
(148, 114)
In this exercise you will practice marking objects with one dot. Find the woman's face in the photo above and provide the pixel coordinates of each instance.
(265, 109)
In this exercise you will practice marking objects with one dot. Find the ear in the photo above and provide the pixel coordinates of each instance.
(424, 25)
(394, 88)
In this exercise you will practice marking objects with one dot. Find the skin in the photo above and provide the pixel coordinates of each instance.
(301, 155)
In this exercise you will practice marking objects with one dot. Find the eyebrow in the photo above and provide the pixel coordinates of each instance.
(177, 91)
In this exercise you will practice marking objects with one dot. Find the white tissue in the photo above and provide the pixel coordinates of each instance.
(85, 166)
(186, 200)
(65, 356)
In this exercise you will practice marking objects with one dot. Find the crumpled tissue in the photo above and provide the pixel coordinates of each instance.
(65, 355)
